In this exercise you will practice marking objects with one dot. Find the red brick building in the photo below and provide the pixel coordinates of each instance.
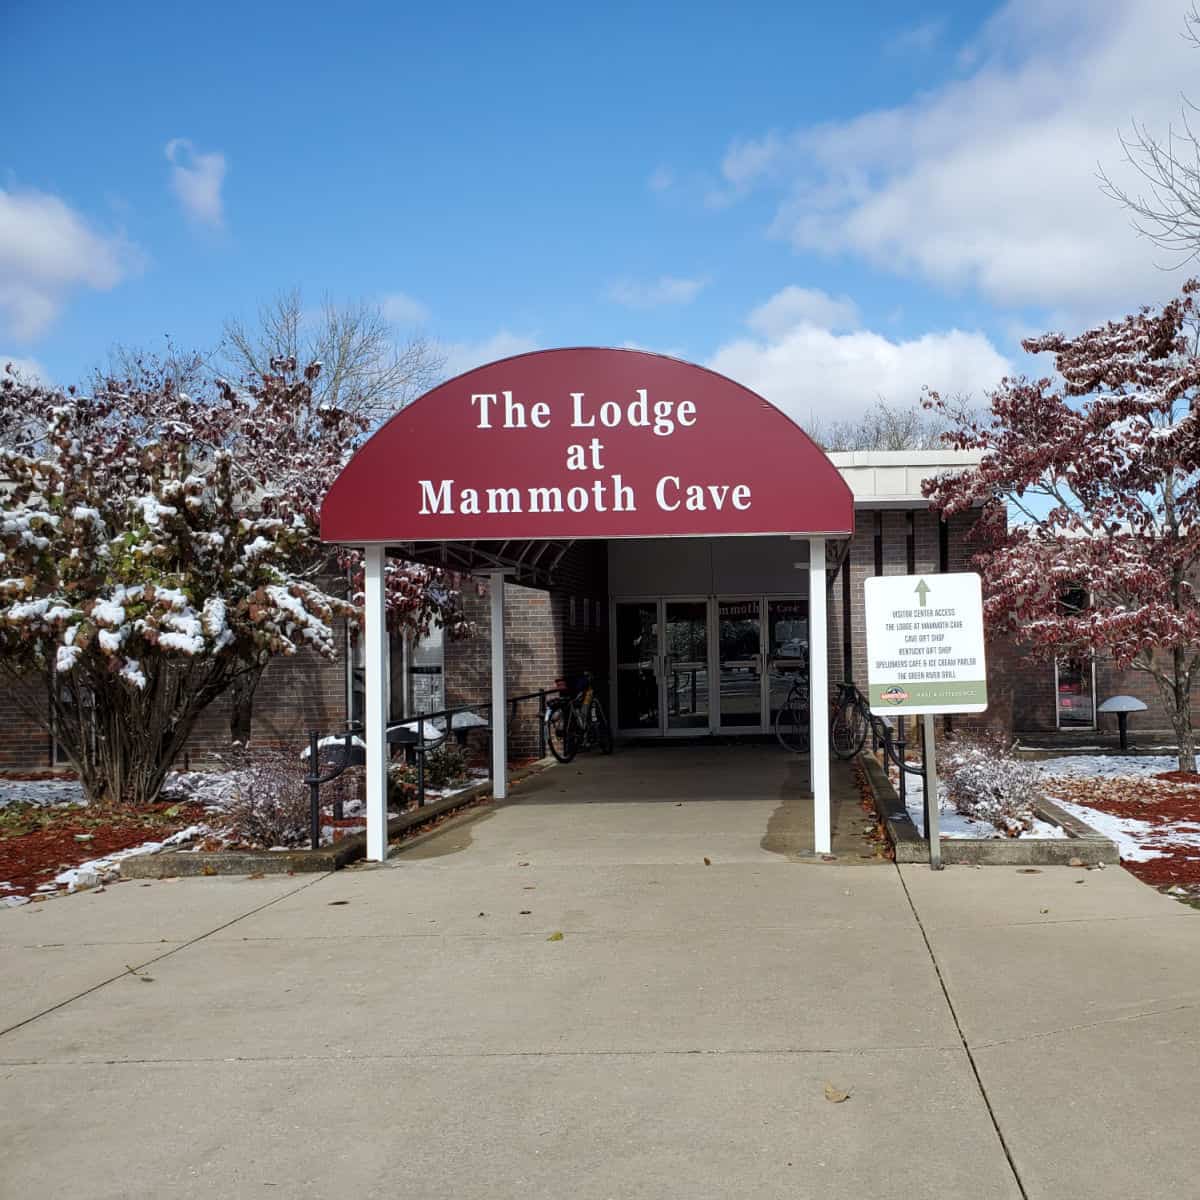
(599, 587)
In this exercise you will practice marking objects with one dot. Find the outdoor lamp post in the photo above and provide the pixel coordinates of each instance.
(1122, 706)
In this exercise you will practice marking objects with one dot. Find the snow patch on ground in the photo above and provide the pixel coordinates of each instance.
(101, 870)
(1109, 766)
(952, 823)
(43, 793)
(1138, 840)
(1129, 834)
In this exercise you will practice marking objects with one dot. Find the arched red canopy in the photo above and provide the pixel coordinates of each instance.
(586, 443)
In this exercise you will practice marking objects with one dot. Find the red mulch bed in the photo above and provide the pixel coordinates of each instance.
(36, 844)
(1170, 798)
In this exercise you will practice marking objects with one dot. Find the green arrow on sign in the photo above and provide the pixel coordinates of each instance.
(922, 590)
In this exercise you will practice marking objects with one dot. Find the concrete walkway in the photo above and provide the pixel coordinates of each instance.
(410, 1030)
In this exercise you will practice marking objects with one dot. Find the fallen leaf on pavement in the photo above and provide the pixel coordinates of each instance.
(707, 861)
(556, 936)
(835, 1095)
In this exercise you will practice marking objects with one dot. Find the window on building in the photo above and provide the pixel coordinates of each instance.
(571, 611)
(427, 672)
(1075, 676)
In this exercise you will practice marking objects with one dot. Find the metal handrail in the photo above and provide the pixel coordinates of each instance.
(314, 779)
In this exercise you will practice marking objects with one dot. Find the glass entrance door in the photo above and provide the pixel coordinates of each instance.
(787, 648)
(740, 663)
(636, 631)
(685, 664)
(668, 653)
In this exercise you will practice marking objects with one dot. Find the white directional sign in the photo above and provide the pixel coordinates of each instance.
(925, 644)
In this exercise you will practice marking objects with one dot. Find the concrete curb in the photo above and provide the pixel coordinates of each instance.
(175, 863)
(1082, 842)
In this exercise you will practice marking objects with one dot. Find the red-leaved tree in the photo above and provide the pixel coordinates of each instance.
(1090, 483)
(159, 545)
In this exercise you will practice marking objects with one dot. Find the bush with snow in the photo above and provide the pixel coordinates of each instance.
(986, 781)
(136, 578)
(159, 546)
(267, 800)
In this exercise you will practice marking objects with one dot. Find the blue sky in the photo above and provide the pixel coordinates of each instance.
(830, 202)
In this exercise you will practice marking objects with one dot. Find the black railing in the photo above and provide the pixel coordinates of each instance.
(414, 727)
(894, 751)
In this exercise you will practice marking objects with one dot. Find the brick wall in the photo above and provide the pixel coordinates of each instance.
(533, 659)
(24, 743)
(542, 643)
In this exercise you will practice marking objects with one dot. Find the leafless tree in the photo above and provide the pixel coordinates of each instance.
(883, 427)
(366, 368)
(1166, 204)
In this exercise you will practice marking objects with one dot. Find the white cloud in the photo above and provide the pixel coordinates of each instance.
(919, 38)
(816, 374)
(28, 368)
(746, 162)
(47, 251)
(657, 293)
(462, 356)
(662, 179)
(196, 180)
(403, 310)
(990, 181)
(802, 306)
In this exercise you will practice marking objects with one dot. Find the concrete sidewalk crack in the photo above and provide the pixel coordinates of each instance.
(440, 1055)
(175, 949)
(1012, 1166)
(1048, 1033)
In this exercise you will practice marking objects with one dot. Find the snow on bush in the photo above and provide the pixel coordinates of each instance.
(159, 546)
(984, 780)
(267, 802)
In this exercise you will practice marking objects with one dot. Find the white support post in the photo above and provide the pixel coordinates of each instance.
(818, 695)
(499, 707)
(376, 703)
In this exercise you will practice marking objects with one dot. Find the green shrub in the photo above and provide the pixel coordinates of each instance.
(446, 767)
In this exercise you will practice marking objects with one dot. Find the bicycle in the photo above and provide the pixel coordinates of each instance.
(792, 719)
(575, 721)
(851, 721)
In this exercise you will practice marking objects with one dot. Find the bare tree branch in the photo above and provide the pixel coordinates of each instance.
(1167, 211)
(367, 368)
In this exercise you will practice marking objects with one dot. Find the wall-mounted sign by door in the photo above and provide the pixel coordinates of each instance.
(925, 644)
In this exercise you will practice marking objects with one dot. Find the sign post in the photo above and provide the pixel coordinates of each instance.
(925, 655)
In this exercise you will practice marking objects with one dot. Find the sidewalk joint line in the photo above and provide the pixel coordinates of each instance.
(175, 949)
(1012, 1166)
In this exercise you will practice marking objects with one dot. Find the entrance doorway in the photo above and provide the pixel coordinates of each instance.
(705, 664)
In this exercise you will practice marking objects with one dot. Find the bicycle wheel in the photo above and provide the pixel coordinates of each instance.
(791, 723)
(601, 729)
(848, 730)
(561, 734)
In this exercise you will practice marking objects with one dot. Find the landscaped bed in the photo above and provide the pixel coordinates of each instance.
(52, 841)
(1141, 803)
(1144, 803)
(240, 821)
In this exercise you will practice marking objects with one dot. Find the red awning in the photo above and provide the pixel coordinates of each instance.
(560, 445)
